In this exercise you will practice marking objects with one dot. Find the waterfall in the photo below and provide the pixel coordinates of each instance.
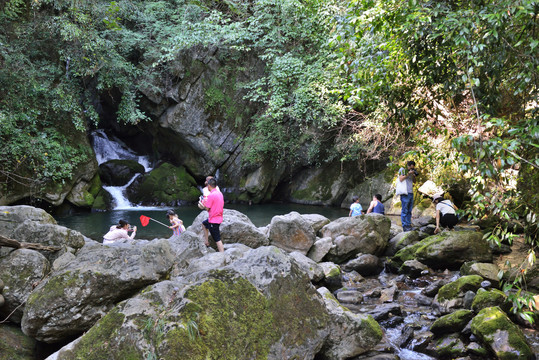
(111, 148)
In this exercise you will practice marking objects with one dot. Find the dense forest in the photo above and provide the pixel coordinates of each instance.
(451, 84)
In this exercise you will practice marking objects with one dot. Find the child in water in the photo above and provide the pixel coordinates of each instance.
(177, 225)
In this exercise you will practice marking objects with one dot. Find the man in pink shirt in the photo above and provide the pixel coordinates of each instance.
(214, 203)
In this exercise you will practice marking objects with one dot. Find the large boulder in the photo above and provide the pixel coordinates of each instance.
(236, 228)
(119, 172)
(21, 270)
(317, 221)
(360, 234)
(446, 250)
(364, 264)
(165, 185)
(350, 334)
(291, 232)
(320, 248)
(505, 339)
(262, 306)
(13, 216)
(400, 241)
(75, 296)
(450, 296)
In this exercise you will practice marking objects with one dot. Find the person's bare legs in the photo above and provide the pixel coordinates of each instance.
(206, 242)
(220, 246)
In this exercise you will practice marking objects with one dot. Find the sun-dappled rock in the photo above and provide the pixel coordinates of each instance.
(236, 228)
(352, 235)
(21, 271)
(74, 297)
(291, 232)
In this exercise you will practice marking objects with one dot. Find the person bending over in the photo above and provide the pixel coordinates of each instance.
(446, 213)
(119, 232)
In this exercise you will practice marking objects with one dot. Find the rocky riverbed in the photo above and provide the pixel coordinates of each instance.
(303, 287)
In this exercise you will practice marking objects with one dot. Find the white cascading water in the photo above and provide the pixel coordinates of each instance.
(111, 148)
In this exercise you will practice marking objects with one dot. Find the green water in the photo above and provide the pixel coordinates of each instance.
(95, 225)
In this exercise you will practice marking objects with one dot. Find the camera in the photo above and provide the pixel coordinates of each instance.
(415, 172)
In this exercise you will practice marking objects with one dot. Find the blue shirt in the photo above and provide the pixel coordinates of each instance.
(356, 209)
(379, 208)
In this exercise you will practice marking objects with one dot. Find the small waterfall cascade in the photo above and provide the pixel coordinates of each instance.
(111, 148)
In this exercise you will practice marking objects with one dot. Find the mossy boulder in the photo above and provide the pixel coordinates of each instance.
(446, 250)
(487, 271)
(20, 270)
(14, 345)
(119, 172)
(400, 241)
(83, 194)
(459, 287)
(505, 339)
(75, 296)
(291, 232)
(166, 185)
(490, 298)
(359, 234)
(451, 323)
(449, 346)
(261, 306)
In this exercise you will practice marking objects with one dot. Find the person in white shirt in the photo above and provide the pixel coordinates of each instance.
(119, 232)
(446, 213)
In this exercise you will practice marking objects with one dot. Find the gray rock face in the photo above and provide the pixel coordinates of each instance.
(119, 172)
(13, 216)
(350, 334)
(400, 241)
(364, 264)
(77, 295)
(291, 232)
(413, 268)
(236, 228)
(316, 221)
(320, 248)
(360, 234)
(261, 305)
(21, 270)
(315, 272)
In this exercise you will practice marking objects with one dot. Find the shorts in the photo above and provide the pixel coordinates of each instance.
(449, 220)
(213, 229)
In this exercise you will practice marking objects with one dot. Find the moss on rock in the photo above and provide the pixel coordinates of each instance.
(494, 328)
(461, 285)
(454, 322)
(14, 345)
(493, 297)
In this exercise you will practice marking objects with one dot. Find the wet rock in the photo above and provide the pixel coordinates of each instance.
(413, 268)
(350, 334)
(451, 296)
(364, 264)
(375, 355)
(352, 278)
(352, 235)
(349, 296)
(316, 221)
(21, 270)
(423, 300)
(392, 321)
(291, 232)
(433, 288)
(313, 270)
(332, 275)
(493, 297)
(400, 241)
(448, 346)
(236, 228)
(451, 323)
(319, 249)
(389, 294)
(447, 250)
(74, 297)
(421, 340)
(119, 172)
(467, 299)
(496, 331)
(14, 345)
(476, 349)
(383, 311)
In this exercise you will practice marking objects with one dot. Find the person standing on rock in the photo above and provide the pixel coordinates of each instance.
(446, 214)
(407, 175)
(119, 232)
(214, 203)
(376, 205)
(355, 208)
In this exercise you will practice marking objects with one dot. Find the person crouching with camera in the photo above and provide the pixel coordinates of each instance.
(119, 232)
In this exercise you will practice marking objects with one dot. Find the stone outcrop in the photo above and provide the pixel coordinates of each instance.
(291, 232)
(75, 296)
(119, 172)
(367, 234)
